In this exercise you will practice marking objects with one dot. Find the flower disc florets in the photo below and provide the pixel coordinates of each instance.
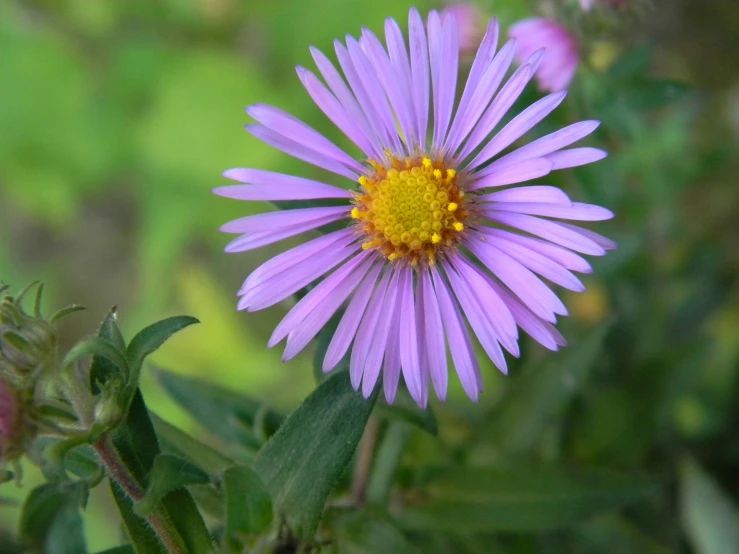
(411, 209)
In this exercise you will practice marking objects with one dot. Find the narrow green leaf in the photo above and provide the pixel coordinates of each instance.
(386, 462)
(101, 368)
(248, 505)
(176, 441)
(303, 461)
(152, 337)
(364, 532)
(168, 474)
(51, 516)
(226, 414)
(470, 499)
(540, 395)
(64, 312)
(99, 347)
(710, 517)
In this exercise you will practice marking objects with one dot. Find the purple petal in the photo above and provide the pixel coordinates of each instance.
(519, 125)
(375, 93)
(366, 332)
(460, 346)
(481, 325)
(391, 366)
(256, 239)
(489, 303)
(433, 337)
(283, 218)
(418, 46)
(266, 185)
(299, 151)
(292, 128)
(497, 109)
(558, 233)
(373, 361)
(349, 323)
(392, 83)
(284, 263)
(447, 78)
(540, 264)
(577, 211)
(357, 85)
(331, 298)
(423, 358)
(527, 286)
(319, 296)
(269, 293)
(545, 145)
(517, 173)
(485, 91)
(402, 67)
(536, 193)
(575, 157)
(542, 332)
(348, 121)
(600, 240)
(565, 258)
(409, 337)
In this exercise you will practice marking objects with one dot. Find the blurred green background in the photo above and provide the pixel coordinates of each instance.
(117, 118)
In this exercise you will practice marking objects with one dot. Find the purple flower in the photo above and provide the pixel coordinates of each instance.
(437, 241)
(561, 58)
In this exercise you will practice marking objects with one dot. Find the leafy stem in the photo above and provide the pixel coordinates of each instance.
(118, 472)
(364, 461)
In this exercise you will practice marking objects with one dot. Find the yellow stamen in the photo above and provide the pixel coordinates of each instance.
(355, 213)
(459, 227)
(450, 173)
(452, 207)
(436, 238)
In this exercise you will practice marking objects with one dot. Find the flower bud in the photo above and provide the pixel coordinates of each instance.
(27, 343)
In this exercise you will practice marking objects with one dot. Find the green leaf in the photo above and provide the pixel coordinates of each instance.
(100, 348)
(168, 474)
(364, 532)
(303, 461)
(710, 517)
(472, 499)
(152, 337)
(51, 518)
(138, 446)
(176, 441)
(248, 505)
(64, 312)
(387, 461)
(101, 368)
(139, 533)
(224, 413)
(538, 397)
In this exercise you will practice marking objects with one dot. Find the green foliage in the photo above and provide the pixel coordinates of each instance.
(302, 462)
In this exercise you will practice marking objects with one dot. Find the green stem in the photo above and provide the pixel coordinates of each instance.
(364, 461)
(118, 471)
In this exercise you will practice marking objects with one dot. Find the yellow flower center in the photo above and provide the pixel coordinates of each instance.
(410, 210)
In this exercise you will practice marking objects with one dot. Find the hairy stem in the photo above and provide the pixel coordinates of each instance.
(364, 461)
(118, 472)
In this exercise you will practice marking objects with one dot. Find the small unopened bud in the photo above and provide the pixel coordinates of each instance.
(108, 411)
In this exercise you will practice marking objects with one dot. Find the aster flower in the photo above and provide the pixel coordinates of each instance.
(436, 238)
(562, 57)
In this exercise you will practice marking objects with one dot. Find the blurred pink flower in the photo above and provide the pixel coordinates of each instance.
(470, 26)
(586, 5)
(561, 56)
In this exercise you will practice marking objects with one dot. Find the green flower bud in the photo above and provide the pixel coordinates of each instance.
(27, 342)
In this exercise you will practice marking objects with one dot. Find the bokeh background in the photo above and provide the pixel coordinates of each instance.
(117, 118)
